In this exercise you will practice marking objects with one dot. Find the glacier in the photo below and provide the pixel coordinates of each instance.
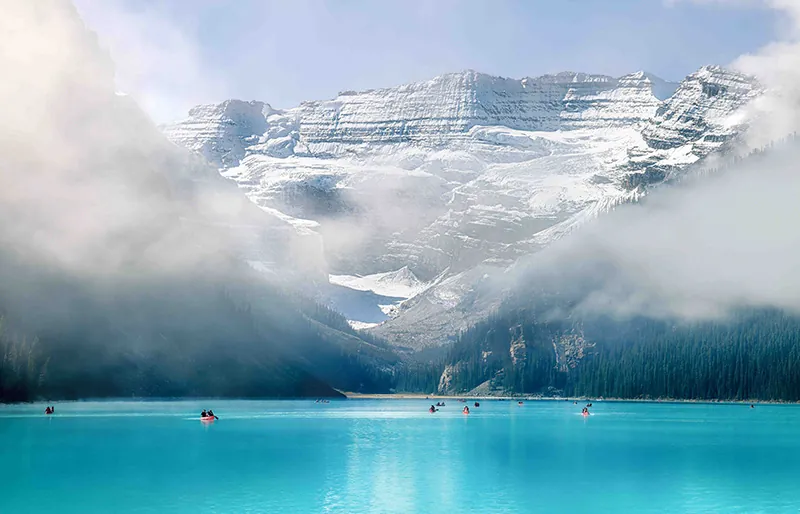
(410, 198)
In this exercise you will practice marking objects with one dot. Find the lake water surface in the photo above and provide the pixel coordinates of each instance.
(356, 456)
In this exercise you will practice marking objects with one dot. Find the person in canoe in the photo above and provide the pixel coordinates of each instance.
(204, 414)
(585, 411)
(466, 410)
(432, 409)
(48, 410)
(477, 404)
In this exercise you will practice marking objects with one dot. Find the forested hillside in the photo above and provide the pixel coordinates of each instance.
(752, 355)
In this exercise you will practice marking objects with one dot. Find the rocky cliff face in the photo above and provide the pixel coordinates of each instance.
(702, 112)
(221, 133)
(463, 172)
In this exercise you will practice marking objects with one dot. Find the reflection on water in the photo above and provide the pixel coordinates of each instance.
(361, 456)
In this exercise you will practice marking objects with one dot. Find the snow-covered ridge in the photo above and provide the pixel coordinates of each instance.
(429, 112)
(449, 105)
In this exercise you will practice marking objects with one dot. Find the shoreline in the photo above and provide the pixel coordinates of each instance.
(410, 396)
(415, 396)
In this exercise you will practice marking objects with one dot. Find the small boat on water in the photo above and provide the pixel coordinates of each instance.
(208, 416)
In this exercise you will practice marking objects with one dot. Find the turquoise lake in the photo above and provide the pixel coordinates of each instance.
(355, 456)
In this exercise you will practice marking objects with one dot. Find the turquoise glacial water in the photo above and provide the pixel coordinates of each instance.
(358, 456)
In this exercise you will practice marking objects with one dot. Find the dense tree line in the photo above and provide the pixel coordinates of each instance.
(750, 355)
(417, 377)
(509, 350)
(22, 369)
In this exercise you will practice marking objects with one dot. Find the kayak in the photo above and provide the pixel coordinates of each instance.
(207, 418)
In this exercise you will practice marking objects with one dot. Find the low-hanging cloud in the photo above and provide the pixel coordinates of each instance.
(89, 188)
(711, 245)
(116, 247)
(701, 249)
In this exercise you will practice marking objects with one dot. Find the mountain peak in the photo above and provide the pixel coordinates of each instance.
(712, 68)
(644, 76)
(660, 88)
(719, 73)
(226, 128)
(698, 111)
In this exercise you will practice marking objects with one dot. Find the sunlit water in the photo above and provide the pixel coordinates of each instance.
(393, 456)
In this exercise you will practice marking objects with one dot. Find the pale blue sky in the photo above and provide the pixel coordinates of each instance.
(173, 54)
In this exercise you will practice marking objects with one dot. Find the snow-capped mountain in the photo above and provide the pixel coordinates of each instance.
(453, 179)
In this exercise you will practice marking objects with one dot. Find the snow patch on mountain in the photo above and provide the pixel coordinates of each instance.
(360, 325)
(401, 283)
(370, 300)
